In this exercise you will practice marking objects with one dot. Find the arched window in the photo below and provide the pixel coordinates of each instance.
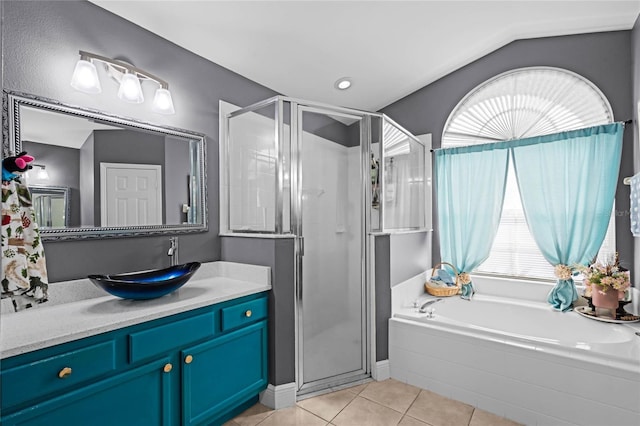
(518, 104)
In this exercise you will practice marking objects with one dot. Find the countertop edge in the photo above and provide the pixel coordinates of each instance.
(33, 344)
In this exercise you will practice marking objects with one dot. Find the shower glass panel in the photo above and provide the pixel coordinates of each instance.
(404, 176)
(51, 205)
(252, 169)
(332, 322)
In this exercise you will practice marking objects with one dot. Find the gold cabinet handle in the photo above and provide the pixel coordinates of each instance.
(65, 372)
(248, 313)
(188, 359)
(167, 367)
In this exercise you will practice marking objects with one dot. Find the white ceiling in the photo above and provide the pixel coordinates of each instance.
(389, 48)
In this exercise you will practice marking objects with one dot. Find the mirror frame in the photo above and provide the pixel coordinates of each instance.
(11, 142)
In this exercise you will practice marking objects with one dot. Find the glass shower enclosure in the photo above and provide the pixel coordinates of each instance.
(318, 173)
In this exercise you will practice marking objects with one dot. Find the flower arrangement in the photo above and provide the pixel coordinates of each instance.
(607, 275)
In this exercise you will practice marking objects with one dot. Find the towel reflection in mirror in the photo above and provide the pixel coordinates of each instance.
(24, 271)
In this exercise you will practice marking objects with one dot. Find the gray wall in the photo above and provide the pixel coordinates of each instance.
(176, 178)
(325, 126)
(602, 58)
(279, 255)
(40, 43)
(382, 276)
(635, 58)
(87, 183)
(62, 164)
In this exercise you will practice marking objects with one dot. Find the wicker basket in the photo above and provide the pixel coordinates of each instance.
(444, 291)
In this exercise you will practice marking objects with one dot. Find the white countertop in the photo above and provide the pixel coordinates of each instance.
(46, 326)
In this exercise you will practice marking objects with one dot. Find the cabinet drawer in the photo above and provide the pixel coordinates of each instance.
(158, 340)
(30, 381)
(243, 313)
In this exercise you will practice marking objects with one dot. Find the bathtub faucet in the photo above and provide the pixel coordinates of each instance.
(423, 308)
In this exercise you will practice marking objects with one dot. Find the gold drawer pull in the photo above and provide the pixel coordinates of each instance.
(168, 367)
(65, 372)
(248, 313)
(188, 359)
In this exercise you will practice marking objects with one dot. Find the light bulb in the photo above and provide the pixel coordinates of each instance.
(85, 77)
(162, 102)
(42, 173)
(130, 89)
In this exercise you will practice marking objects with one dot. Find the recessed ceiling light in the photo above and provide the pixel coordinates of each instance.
(343, 83)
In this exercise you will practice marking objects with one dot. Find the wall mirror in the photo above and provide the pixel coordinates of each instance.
(106, 176)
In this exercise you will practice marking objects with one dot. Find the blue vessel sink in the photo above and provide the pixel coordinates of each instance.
(146, 284)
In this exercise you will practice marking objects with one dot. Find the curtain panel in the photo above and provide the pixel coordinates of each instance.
(470, 189)
(567, 184)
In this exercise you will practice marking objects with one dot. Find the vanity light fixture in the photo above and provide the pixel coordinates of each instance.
(343, 83)
(85, 79)
(41, 173)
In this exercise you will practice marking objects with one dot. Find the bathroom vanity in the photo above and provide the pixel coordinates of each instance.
(197, 356)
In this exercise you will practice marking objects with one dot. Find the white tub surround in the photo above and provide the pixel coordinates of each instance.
(517, 357)
(51, 325)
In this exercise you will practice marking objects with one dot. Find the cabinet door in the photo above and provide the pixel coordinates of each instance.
(137, 397)
(220, 374)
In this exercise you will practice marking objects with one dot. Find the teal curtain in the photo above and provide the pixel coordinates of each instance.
(470, 184)
(567, 184)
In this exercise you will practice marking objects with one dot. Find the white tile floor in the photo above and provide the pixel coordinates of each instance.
(386, 403)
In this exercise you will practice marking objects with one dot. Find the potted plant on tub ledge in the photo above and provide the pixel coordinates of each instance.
(606, 283)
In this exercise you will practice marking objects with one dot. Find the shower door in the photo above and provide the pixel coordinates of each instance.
(331, 264)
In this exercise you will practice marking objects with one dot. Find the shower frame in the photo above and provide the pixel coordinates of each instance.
(294, 230)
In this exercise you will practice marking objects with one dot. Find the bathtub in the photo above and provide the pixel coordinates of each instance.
(516, 357)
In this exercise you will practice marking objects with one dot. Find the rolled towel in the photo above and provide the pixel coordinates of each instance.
(635, 205)
(446, 277)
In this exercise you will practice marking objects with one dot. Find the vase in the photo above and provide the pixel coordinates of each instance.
(608, 300)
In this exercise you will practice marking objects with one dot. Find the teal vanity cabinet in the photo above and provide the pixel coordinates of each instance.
(195, 368)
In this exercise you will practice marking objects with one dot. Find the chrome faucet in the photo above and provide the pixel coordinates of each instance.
(173, 250)
(423, 308)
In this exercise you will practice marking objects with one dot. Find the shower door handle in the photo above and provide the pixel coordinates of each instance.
(301, 242)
